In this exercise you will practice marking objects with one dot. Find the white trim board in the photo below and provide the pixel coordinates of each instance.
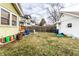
(70, 14)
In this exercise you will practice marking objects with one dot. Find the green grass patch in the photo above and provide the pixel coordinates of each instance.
(51, 41)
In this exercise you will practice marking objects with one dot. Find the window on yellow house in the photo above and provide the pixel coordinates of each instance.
(14, 20)
(5, 17)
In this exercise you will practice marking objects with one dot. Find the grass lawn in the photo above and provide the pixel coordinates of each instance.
(42, 44)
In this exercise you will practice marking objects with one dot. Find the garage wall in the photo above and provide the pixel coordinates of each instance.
(74, 30)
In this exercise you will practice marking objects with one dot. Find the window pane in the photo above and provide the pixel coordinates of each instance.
(69, 25)
(5, 16)
(4, 21)
(14, 20)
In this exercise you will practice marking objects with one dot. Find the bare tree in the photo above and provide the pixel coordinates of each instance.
(54, 11)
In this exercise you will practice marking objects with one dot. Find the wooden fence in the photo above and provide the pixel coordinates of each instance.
(41, 28)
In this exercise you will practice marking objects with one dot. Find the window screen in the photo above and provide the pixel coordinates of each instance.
(14, 20)
(5, 17)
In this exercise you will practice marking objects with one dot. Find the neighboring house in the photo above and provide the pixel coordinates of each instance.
(69, 24)
(69, 21)
(29, 23)
(26, 23)
(10, 15)
(27, 20)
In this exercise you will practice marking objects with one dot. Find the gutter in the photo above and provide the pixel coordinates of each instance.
(18, 8)
(68, 13)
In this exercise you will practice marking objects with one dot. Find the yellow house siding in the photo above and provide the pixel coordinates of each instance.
(9, 6)
(9, 30)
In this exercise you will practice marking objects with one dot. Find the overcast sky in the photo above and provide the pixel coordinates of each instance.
(38, 10)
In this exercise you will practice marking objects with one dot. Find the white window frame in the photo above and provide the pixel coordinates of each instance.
(0, 16)
(16, 21)
(10, 21)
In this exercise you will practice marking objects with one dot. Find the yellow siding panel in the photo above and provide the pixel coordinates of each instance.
(9, 30)
(9, 6)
